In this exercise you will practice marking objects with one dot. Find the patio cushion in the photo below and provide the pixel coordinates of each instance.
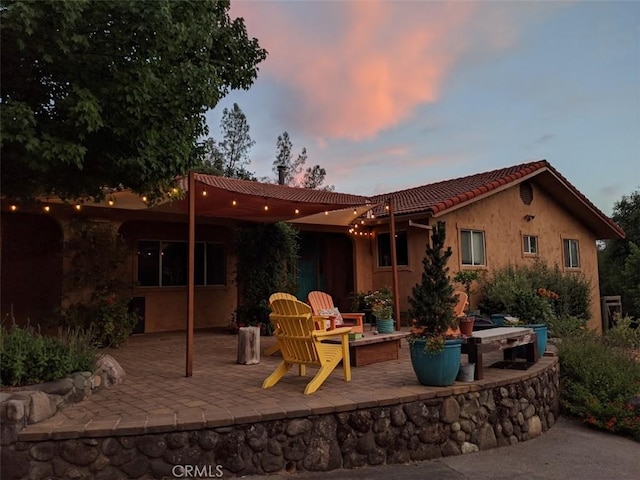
(332, 312)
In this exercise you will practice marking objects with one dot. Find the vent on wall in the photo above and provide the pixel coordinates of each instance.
(526, 193)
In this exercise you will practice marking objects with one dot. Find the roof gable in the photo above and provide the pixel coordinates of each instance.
(442, 197)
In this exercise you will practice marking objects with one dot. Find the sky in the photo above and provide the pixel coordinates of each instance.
(388, 95)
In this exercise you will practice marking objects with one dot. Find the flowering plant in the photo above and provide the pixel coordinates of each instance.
(381, 303)
(543, 292)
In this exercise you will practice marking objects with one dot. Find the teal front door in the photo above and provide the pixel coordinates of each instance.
(310, 271)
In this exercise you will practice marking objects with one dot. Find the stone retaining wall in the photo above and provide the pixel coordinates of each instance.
(412, 431)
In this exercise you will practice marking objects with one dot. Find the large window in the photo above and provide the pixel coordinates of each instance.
(530, 244)
(165, 264)
(384, 249)
(571, 253)
(472, 247)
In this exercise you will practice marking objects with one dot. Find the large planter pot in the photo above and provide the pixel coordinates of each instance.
(541, 335)
(437, 370)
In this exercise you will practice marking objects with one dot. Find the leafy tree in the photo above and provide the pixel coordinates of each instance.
(113, 92)
(618, 260)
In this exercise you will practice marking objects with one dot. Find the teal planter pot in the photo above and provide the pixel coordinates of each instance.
(437, 370)
(385, 326)
(541, 335)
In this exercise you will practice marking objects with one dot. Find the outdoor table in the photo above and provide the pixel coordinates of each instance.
(496, 339)
(372, 348)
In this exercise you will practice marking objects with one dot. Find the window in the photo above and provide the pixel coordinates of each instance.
(384, 249)
(571, 253)
(165, 264)
(472, 246)
(530, 245)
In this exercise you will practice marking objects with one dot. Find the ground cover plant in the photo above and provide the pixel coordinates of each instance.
(600, 378)
(28, 357)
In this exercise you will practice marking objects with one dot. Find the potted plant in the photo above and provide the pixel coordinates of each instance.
(381, 304)
(434, 357)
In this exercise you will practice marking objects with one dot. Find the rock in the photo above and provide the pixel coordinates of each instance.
(486, 438)
(206, 439)
(136, 467)
(324, 453)
(43, 451)
(15, 465)
(507, 428)
(298, 426)
(110, 371)
(257, 437)
(425, 452)
(366, 443)
(40, 470)
(181, 439)
(59, 387)
(78, 453)
(450, 410)
(160, 468)
(417, 412)
(15, 410)
(152, 446)
(361, 421)
(40, 407)
(468, 447)
(398, 417)
(450, 448)
(271, 463)
(534, 427)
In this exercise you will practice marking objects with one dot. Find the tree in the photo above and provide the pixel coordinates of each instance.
(233, 150)
(102, 93)
(432, 300)
(618, 260)
(295, 174)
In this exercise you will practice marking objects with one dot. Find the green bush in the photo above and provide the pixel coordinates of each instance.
(27, 357)
(597, 383)
(516, 290)
(561, 327)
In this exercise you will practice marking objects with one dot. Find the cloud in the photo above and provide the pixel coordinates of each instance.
(366, 69)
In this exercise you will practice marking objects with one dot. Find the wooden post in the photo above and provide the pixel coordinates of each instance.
(394, 263)
(248, 345)
(191, 272)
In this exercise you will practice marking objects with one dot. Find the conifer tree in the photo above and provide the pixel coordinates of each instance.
(432, 300)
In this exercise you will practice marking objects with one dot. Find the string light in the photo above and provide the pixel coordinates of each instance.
(111, 202)
(78, 207)
(297, 211)
(204, 193)
(326, 212)
(46, 208)
(266, 205)
(234, 203)
(13, 208)
(144, 198)
(355, 212)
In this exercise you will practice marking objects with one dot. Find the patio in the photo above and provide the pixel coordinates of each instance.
(156, 397)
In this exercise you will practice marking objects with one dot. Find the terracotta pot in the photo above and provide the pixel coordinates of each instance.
(466, 325)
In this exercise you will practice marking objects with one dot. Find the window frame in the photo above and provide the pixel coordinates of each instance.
(406, 247)
(159, 274)
(567, 261)
(527, 244)
(471, 232)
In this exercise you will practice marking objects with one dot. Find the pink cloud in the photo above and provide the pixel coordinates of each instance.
(353, 69)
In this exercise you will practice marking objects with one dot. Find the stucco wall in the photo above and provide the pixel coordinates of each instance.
(502, 217)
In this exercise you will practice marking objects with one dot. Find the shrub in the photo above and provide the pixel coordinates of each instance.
(561, 327)
(27, 357)
(516, 290)
(597, 383)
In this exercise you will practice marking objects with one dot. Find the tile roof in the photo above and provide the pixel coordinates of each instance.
(281, 192)
(437, 198)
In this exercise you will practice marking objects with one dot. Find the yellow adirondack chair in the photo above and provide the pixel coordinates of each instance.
(291, 308)
(301, 344)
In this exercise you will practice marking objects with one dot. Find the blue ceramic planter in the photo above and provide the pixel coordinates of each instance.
(541, 335)
(437, 370)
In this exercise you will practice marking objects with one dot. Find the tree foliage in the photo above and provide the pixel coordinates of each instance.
(295, 174)
(619, 260)
(432, 300)
(231, 154)
(102, 93)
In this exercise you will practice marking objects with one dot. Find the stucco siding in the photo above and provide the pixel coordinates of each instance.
(502, 218)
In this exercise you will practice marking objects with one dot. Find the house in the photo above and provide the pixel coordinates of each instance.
(511, 215)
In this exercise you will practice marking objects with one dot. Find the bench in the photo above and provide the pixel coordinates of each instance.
(372, 348)
(504, 339)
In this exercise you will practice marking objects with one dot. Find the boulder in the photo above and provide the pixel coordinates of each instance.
(110, 370)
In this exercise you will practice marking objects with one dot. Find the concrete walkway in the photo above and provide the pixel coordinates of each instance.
(568, 451)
